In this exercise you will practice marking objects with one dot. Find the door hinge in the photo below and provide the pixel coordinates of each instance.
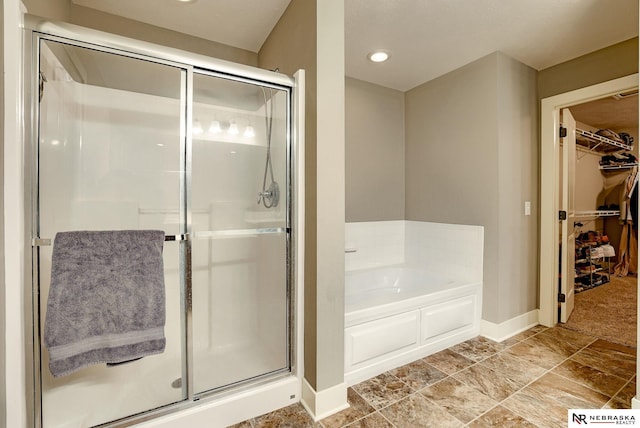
(562, 298)
(562, 215)
(563, 132)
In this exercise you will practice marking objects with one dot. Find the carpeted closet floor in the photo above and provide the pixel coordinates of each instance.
(608, 312)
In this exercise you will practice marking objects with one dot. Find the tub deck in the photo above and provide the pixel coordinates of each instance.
(368, 288)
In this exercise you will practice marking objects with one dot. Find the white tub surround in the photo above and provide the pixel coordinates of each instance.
(412, 289)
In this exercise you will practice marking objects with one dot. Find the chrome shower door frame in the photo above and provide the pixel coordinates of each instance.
(38, 30)
(288, 230)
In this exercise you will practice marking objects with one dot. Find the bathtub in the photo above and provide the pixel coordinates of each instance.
(390, 285)
(400, 312)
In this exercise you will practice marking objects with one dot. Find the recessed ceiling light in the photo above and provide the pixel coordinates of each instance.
(187, 1)
(378, 56)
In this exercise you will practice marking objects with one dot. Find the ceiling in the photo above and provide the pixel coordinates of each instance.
(429, 38)
(243, 24)
(426, 38)
(609, 113)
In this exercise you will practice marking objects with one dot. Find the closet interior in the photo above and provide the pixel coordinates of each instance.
(605, 190)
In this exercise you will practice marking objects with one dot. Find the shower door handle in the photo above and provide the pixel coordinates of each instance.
(182, 237)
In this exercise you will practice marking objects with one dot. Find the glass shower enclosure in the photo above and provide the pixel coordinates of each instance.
(125, 141)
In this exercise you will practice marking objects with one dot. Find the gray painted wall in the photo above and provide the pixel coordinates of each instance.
(290, 46)
(374, 152)
(330, 194)
(609, 63)
(471, 158)
(451, 157)
(310, 35)
(517, 183)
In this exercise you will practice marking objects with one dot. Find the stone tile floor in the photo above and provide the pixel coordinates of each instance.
(529, 380)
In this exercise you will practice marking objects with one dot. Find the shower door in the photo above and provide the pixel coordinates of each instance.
(127, 142)
(239, 235)
(110, 156)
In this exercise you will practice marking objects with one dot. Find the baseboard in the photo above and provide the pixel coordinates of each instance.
(508, 328)
(635, 403)
(324, 403)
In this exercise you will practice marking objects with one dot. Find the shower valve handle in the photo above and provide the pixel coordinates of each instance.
(266, 194)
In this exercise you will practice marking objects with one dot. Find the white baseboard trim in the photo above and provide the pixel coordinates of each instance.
(324, 403)
(635, 403)
(508, 328)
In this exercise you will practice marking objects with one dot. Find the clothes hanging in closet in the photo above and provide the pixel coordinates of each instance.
(628, 262)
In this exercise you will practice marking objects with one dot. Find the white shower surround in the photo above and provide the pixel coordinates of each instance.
(412, 289)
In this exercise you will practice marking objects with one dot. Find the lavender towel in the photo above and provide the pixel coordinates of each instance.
(106, 299)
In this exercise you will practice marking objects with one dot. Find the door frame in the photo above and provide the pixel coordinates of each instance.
(568, 235)
(549, 185)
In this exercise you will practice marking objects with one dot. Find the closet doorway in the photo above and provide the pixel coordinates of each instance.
(583, 177)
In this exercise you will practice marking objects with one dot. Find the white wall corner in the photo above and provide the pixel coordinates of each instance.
(508, 328)
(321, 404)
(635, 403)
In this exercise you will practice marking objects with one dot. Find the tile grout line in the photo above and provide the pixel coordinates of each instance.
(416, 392)
(365, 416)
(392, 402)
(450, 376)
(488, 410)
(587, 386)
(475, 363)
(437, 404)
(341, 426)
(547, 371)
(501, 402)
(498, 403)
(618, 392)
(386, 419)
(363, 399)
